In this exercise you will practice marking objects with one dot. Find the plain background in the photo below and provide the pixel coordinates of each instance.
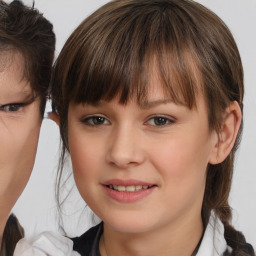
(36, 208)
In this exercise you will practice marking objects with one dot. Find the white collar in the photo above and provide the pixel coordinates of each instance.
(213, 243)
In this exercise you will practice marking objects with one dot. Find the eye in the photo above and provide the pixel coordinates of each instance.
(160, 121)
(95, 120)
(14, 107)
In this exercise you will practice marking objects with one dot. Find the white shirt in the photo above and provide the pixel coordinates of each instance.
(52, 244)
(213, 243)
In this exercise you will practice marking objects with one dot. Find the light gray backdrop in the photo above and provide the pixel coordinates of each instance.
(36, 207)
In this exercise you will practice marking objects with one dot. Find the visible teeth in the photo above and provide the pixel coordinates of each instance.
(131, 188)
(137, 188)
(121, 188)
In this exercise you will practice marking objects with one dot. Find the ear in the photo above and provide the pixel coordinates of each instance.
(228, 133)
(54, 117)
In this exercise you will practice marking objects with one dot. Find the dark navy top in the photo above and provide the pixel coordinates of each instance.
(88, 244)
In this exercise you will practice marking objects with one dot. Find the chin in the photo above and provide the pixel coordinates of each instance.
(129, 225)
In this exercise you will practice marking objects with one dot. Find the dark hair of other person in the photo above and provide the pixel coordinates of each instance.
(24, 29)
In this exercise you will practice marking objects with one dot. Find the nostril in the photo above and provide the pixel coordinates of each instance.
(123, 165)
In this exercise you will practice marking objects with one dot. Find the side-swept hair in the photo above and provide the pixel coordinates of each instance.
(27, 31)
(24, 29)
(110, 54)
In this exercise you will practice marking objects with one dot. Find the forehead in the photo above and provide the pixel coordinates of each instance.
(155, 95)
(12, 80)
(169, 85)
(11, 60)
(157, 79)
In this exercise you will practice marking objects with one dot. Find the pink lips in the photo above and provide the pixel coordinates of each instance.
(117, 190)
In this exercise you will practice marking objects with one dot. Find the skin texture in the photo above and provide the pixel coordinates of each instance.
(129, 144)
(126, 144)
(20, 123)
(112, 141)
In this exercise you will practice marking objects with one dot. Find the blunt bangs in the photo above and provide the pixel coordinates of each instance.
(117, 56)
(126, 45)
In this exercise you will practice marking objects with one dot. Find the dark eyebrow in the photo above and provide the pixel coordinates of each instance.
(151, 104)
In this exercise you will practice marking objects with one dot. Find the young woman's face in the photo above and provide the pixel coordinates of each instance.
(20, 123)
(141, 168)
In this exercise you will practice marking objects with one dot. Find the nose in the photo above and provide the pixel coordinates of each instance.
(125, 148)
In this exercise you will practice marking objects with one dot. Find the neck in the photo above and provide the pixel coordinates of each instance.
(167, 240)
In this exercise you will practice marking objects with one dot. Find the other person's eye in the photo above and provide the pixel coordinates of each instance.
(13, 107)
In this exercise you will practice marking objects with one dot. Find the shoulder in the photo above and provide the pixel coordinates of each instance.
(244, 250)
(88, 243)
(236, 240)
(239, 245)
(220, 239)
(45, 243)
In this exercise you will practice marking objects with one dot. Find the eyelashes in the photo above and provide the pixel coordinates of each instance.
(13, 107)
(160, 121)
(156, 120)
(95, 120)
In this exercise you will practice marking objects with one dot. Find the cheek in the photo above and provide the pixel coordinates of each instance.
(182, 161)
(180, 155)
(17, 154)
(182, 168)
(19, 140)
(85, 156)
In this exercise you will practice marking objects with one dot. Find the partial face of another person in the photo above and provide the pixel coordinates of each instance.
(20, 122)
(142, 168)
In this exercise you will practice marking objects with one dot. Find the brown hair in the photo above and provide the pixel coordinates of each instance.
(25, 30)
(12, 234)
(110, 54)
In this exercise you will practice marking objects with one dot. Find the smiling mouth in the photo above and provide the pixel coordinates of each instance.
(131, 188)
